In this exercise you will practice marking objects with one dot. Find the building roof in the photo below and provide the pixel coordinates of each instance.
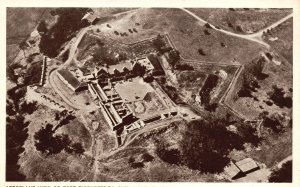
(246, 165)
(85, 71)
(232, 170)
(120, 67)
(68, 76)
(90, 17)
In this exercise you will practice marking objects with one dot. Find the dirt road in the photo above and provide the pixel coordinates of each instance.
(255, 37)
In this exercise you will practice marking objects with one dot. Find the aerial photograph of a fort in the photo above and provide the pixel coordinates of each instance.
(149, 94)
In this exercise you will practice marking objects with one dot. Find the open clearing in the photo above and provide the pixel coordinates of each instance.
(133, 90)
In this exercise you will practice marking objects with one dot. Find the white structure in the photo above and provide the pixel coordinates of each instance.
(90, 17)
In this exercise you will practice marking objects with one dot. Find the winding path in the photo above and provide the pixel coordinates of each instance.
(74, 46)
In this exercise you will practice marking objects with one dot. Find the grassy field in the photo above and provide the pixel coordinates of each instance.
(20, 23)
(284, 44)
(250, 21)
(58, 167)
(280, 75)
(187, 35)
(274, 149)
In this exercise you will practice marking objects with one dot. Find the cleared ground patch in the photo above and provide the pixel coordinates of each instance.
(133, 90)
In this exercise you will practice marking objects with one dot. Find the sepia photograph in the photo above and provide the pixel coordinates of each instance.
(141, 94)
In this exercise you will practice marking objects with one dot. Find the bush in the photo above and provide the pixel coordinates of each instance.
(159, 43)
(274, 124)
(201, 52)
(278, 98)
(207, 25)
(147, 157)
(206, 32)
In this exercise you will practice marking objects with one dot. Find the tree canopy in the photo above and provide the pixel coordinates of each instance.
(284, 174)
(205, 145)
(174, 57)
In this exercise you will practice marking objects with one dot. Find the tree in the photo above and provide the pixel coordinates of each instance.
(23, 46)
(131, 160)
(42, 27)
(68, 22)
(16, 135)
(205, 145)
(249, 134)
(273, 123)
(207, 25)
(159, 43)
(171, 156)
(174, 57)
(284, 174)
(147, 157)
(47, 142)
(139, 69)
(211, 107)
(28, 108)
(201, 52)
(75, 148)
(206, 32)
(279, 99)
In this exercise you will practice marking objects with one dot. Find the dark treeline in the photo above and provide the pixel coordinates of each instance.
(68, 22)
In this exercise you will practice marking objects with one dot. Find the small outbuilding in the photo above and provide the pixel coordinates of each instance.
(90, 17)
(247, 165)
(241, 168)
(232, 170)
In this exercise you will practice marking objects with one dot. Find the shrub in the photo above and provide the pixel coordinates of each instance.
(207, 25)
(206, 32)
(278, 98)
(147, 157)
(201, 52)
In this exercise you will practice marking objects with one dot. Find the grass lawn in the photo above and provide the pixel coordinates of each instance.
(280, 75)
(284, 44)
(20, 23)
(274, 149)
(249, 20)
(185, 32)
